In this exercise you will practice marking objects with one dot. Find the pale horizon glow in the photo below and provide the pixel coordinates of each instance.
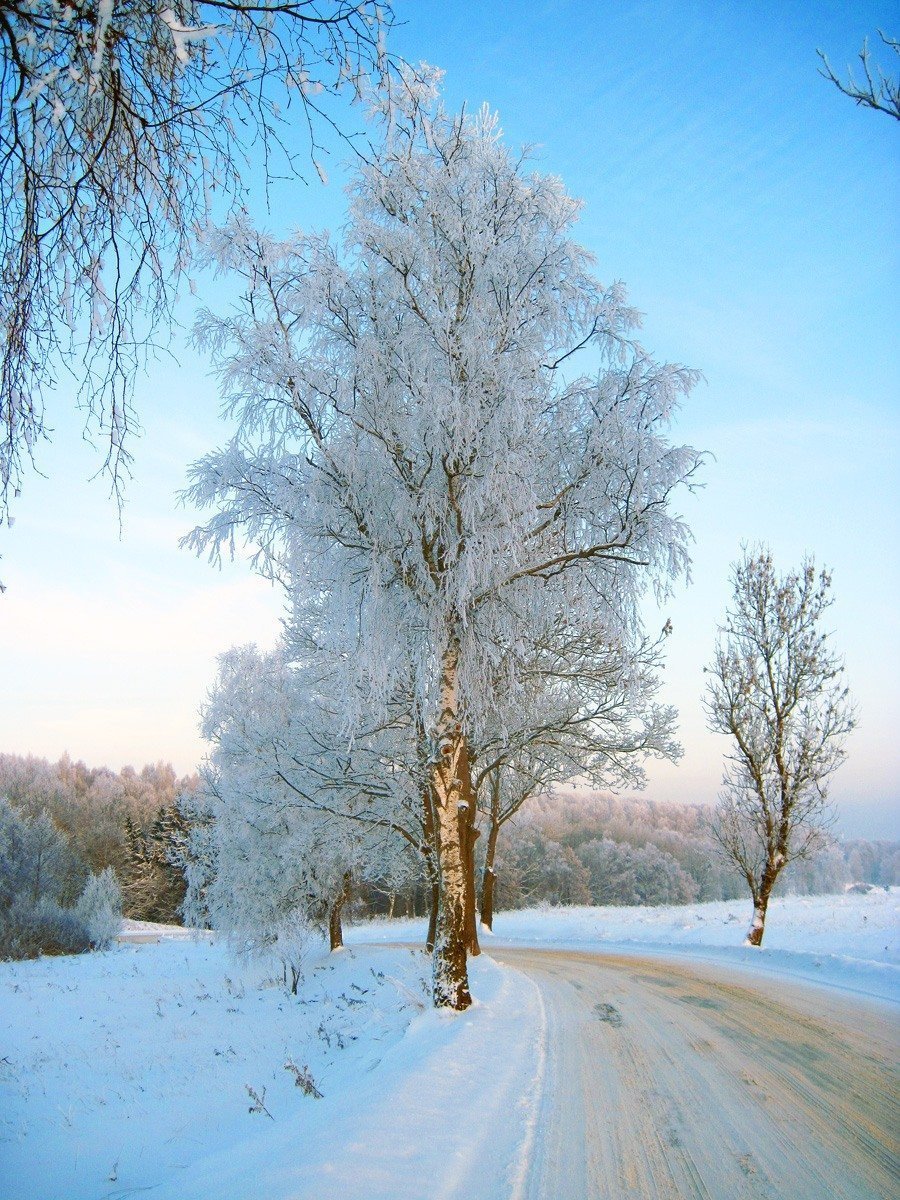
(751, 211)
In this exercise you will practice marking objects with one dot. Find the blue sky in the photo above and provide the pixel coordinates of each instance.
(752, 212)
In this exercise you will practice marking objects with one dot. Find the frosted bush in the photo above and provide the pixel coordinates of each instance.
(99, 909)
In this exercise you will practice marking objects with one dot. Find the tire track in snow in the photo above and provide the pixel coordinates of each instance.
(667, 1079)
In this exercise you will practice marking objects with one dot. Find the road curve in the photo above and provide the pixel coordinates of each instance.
(673, 1079)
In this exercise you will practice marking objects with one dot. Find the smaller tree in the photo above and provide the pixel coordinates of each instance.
(289, 816)
(776, 687)
(36, 860)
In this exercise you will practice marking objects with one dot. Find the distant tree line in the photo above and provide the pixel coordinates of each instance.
(64, 825)
(589, 848)
(630, 850)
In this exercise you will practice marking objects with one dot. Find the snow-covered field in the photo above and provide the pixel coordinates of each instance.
(129, 1071)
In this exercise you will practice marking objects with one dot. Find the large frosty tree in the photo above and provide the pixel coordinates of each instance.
(415, 447)
(122, 123)
(776, 688)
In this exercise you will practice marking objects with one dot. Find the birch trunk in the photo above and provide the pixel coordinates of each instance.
(758, 924)
(451, 789)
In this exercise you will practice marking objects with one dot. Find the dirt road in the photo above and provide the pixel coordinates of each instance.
(668, 1079)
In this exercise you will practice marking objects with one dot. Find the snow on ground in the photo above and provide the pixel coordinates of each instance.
(128, 1071)
(848, 941)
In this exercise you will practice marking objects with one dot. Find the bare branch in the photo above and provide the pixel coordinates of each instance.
(878, 91)
(122, 126)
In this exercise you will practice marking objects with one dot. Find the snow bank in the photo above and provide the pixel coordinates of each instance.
(450, 1112)
(847, 941)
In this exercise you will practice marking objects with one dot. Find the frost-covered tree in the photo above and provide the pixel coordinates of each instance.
(587, 710)
(415, 446)
(776, 688)
(122, 124)
(99, 908)
(287, 818)
(535, 869)
(49, 904)
(36, 859)
(625, 874)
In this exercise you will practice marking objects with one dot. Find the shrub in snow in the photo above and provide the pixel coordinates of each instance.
(39, 875)
(290, 941)
(303, 1079)
(28, 930)
(259, 1101)
(99, 909)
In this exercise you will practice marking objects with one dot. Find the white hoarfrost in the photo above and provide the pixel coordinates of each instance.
(289, 817)
(99, 908)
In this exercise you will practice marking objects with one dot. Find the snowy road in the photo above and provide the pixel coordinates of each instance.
(673, 1079)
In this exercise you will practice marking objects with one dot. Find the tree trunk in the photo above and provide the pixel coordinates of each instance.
(429, 853)
(760, 905)
(468, 837)
(761, 896)
(488, 878)
(335, 929)
(435, 904)
(758, 924)
(451, 790)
